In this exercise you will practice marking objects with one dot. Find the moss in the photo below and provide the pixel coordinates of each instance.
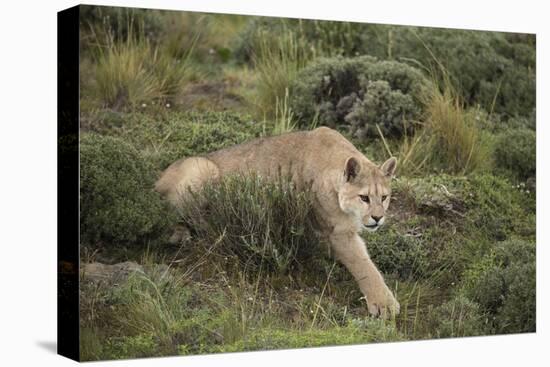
(117, 203)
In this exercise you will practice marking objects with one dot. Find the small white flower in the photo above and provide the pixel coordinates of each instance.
(250, 299)
(168, 105)
(144, 105)
(527, 191)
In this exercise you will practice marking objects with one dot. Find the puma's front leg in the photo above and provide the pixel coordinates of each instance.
(351, 251)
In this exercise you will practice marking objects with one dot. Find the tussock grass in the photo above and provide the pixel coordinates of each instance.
(277, 63)
(449, 141)
(131, 71)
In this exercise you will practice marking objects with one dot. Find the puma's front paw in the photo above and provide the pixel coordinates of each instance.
(382, 303)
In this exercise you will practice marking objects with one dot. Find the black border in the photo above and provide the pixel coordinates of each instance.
(68, 334)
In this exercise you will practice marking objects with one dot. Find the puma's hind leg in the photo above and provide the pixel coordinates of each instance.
(184, 175)
(180, 177)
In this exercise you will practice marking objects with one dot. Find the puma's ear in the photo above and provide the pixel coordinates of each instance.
(389, 166)
(352, 169)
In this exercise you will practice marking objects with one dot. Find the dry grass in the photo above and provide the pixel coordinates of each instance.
(449, 140)
(134, 71)
(277, 63)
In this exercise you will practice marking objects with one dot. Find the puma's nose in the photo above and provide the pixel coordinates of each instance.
(376, 219)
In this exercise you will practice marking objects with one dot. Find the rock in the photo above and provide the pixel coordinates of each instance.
(113, 274)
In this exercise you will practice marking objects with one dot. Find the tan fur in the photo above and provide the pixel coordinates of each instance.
(336, 172)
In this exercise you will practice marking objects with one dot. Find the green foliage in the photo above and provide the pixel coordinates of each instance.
(117, 203)
(489, 69)
(355, 332)
(138, 346)
(503, 283)
(119, 21)
(258, 222)
(360, 92)
(495, 70)
(486, 204)
(134, 72)
(277, 64)
(458, 247)
(166, 138)
(457, 318)
(515, 152)
(450, 140)
(123, 66)
(398, 254)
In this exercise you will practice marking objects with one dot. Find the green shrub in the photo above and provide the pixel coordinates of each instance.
(504, 284)
(360, 92)
(117, 203)
(488, 68)
(500, 208)
(515, 152)
(165, 138)
(401, 255)
(493, 69)
(457, 318)
(254, 221)
(486, 204)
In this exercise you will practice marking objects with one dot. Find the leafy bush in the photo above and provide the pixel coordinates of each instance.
(503, 283)
(405, 256)
(117, 203)
(457, 318)
(254, 221)
(360, 92)
(515, 152)
(165, 138)
(489, 69)
(493, 69)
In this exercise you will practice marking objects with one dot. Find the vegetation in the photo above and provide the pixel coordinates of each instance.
(117, 203)
(515, 151)
(495, 70)
(259, 223)
(366, 94)
(456, 107)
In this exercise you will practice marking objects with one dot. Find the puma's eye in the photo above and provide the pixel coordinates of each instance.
(365, 198)
(384, 197)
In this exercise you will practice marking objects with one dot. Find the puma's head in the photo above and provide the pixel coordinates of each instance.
(365, 192)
